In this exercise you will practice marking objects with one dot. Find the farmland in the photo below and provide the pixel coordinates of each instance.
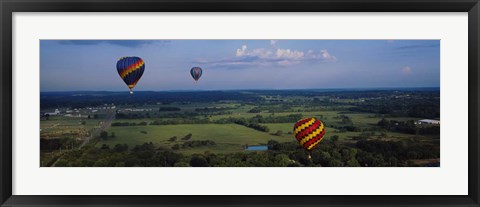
(213, 128)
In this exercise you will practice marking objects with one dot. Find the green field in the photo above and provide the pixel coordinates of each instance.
(228, 137)
(233, 137)
(188, 127)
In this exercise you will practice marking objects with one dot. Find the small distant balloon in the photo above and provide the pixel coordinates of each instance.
(309, 132)
(196, 73)
(130, 70)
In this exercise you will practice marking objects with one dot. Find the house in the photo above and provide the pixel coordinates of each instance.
(428, 121)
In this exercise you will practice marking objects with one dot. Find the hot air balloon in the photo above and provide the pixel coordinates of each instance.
(309, 132)
(130, 70)
(196, 73)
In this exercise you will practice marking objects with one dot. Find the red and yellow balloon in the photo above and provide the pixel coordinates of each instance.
(309, 133)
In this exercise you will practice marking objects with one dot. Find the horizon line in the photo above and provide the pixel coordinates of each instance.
(265, 89)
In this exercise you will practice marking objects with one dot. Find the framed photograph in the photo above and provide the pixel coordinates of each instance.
(231, 103)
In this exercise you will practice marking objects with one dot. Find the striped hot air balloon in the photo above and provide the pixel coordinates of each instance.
(196, 73)
(309, 132)
(130, 70)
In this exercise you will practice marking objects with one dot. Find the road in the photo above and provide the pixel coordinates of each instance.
(95, 133)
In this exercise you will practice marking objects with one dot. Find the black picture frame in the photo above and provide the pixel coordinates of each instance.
(7, 7)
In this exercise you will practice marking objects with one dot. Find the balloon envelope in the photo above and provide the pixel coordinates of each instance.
(130, 70)
(196, 73)
(309, 132)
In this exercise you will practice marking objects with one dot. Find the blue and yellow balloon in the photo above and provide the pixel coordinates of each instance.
(130, 70)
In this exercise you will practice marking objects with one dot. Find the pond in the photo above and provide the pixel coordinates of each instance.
(257, 148)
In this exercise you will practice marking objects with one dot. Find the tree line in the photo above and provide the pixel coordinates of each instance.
(408, 127)
(330, 153)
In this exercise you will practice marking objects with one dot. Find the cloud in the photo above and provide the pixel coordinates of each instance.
(273, 42)
(242, 51)
(123, 43)
(327, 57)
(406, 70)
(289, 54)
(268, 56)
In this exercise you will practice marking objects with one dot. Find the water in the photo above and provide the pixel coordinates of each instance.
(257, 148)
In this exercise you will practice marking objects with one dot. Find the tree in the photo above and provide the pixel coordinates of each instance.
(104, 147)
(410, 163)
(301, 157)
(176, 147)
(104, 135)
(353, 163)
(187, 137)
(347, 121)
(255, 110)
(294, 164)
(198, 161)
(412, 155)
(279, 133)
(120, 148)
(392, 161)
(346, 155)
(282, 160)
(383, 123)
(172, 139)
(181, 164)
(101, 163)
(336, 155)
(62, 163)
(334, 139)
(335, 163)
(321, 157)
(272, 144)
(120, 164)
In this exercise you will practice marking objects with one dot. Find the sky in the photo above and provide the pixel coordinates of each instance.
(90, 65)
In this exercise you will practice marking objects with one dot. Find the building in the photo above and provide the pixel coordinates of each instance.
(57, 112)
(428, 121)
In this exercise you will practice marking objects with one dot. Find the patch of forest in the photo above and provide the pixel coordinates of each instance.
(330, 153)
